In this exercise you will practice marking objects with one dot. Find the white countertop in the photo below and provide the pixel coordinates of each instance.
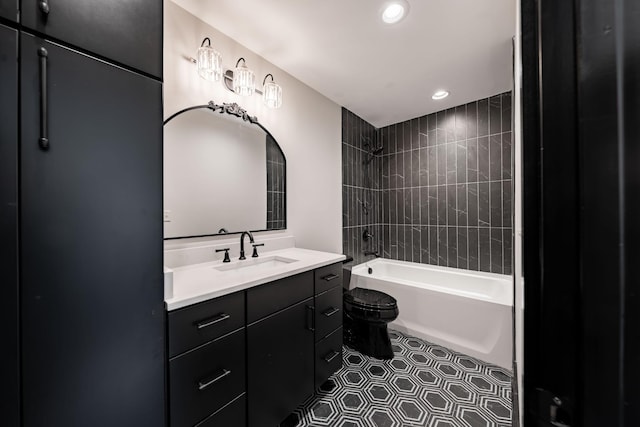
(200, 282)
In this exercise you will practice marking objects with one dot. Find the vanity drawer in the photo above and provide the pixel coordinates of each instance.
(266, 299)
(327, 277)
(204, 380)
(234, 414)
(328, 312)
(328, 356)
(195, 325)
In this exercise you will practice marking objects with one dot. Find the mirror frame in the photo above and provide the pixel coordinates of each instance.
(235, 110)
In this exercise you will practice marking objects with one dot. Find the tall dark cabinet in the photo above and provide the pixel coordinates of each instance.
(86, 317)
(123, 32)
(9, 10)
(9, 369)
(92, 294)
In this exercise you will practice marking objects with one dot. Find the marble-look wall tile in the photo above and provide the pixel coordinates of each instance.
(440, 192)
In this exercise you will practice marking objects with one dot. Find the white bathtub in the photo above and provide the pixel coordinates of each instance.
(466, 311)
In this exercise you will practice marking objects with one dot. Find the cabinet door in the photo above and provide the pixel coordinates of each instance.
(280, 364)
(93, 346)
(122, 31)
(9, 397)
(9, 9)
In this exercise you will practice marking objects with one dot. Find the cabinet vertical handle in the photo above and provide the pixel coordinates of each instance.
(44, 7)
(44, 125)
(311, 318)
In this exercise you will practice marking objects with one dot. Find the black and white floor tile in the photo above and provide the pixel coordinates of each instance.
(424, 385)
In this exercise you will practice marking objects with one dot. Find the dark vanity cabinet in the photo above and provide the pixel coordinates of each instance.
(124, 32)
(223, 373)
(328, 322)
(207, 364)
(280, 348)
(9, 369)
(9, 10)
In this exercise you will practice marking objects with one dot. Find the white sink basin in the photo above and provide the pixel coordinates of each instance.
(256, 264)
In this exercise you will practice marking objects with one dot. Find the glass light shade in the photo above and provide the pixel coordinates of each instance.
(272, 95)
(244, 81)
(209, 63)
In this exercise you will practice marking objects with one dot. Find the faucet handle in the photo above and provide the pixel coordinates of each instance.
(255, 249)
(226, 254)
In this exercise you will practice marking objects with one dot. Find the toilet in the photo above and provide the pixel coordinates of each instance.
(366, 315)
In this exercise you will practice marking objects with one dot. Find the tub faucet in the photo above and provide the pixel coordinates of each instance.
(244, 233)
(376, 254)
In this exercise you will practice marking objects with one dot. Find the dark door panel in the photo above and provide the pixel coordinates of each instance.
(91, 258)
(9, 370)
(280, 370)
(9, 9)
(124, 31)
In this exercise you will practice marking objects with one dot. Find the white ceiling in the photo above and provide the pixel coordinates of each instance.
(383, 73)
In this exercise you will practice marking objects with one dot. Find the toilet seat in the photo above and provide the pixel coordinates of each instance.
(370, 299)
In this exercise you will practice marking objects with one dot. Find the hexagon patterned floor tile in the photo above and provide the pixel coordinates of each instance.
(424, 385)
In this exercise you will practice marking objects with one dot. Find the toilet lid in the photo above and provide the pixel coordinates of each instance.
(370, 298)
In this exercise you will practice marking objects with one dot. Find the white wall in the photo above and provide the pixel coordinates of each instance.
(517, 270)
(307, 126)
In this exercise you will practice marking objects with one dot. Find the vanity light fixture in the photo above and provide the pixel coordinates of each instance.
(244, 80)
(394, 11)
(241, 80)
(209, 61)
(441, 94)
(271, 92)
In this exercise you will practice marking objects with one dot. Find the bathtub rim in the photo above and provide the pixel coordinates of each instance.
(507, 280)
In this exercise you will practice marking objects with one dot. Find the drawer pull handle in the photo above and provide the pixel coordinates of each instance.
(208, 382)
(331, 311)
(329, 357)
(213, 320)
(330, 277)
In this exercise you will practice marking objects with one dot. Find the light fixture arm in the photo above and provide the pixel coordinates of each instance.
(265, 78)
(243, 62)
(206, 39)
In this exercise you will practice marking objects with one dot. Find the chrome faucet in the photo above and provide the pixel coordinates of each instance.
(244, 233)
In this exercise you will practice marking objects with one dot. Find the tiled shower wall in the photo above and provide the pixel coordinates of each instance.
(361, 193)
(444, 188)
(276, 209)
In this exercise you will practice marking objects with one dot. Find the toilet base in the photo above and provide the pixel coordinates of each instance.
(369, 339)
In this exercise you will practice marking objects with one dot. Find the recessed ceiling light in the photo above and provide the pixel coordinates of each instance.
(441, 94)
(394, 11)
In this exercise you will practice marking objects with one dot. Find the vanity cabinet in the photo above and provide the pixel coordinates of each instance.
(9, 9)
(328, 321)
(280, 346)
(207, 365)
(206, 379)
(223, 373)
(93, 327)
(9, 372)
(125, 32)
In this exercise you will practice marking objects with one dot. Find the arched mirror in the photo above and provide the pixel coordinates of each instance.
(223, 173)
